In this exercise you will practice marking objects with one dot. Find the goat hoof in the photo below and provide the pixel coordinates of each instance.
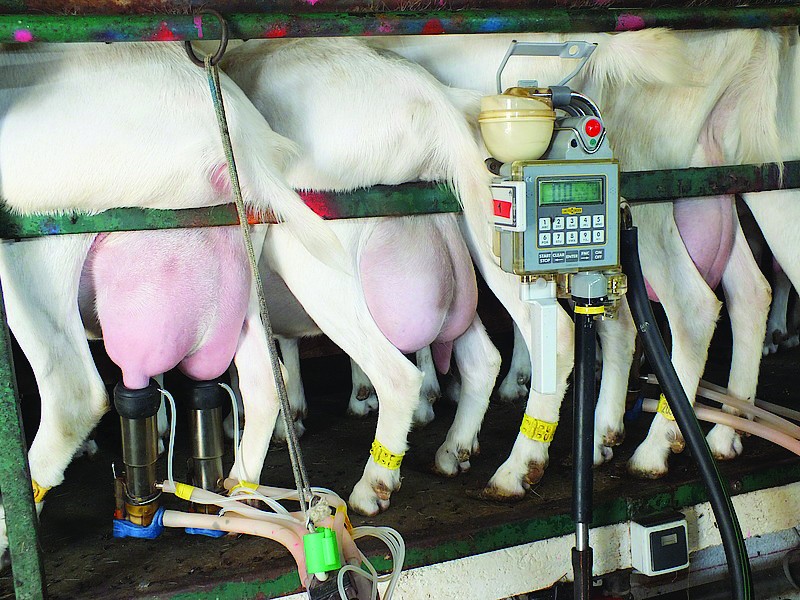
(677, 445)
(358, 409)
(650, 461)
(602, 454)
(424, 414)
(646, 474)
(613, 438)
(535, 472)
(511, 394)
(450, 464)
(725, 443)
(495, 494)
(369, 500)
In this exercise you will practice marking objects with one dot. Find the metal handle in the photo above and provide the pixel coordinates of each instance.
(579, 50)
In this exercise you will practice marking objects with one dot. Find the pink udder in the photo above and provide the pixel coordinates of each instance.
(169, 298)
(707, 228)
(442, 352)
(417, 286)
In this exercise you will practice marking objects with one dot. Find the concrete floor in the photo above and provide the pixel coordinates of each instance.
(82, 560)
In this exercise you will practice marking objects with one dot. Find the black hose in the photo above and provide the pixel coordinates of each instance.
(583, 413)
(583, 447)
(730, 532)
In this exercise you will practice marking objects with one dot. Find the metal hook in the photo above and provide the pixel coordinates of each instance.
(223, 42)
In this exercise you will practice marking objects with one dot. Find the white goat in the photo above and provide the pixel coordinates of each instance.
(415, 281)
(725, 114)
(335, 161)
(636, 59)
(728, 116)
(91, 127)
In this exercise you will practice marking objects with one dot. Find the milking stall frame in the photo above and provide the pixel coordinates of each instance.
(108, 21)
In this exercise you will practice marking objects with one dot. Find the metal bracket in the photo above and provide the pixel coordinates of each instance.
(578, 50)
(540, 294)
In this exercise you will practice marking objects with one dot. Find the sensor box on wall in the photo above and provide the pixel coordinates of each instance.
(659, 544)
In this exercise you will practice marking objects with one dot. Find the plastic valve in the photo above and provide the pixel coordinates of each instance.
(322, 551)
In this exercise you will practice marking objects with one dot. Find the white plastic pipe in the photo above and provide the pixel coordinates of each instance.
(713, 415)
(201, 496)
(777, 423)
(282, 535)
(773, 408)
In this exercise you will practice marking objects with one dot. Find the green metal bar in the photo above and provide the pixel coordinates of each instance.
(22, 525)
(406, 199)
(377, 201)
(160, 27)
(660, 186)
(106, 7)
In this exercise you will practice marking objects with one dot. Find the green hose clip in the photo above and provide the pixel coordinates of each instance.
(322, 551)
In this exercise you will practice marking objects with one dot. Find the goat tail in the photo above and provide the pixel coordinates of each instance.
(458, 154)
(264, 156)
(650, 56)
(307, 227)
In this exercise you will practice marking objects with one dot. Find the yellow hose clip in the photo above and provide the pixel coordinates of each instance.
(589, 310)
(537, 430)
(347, 524)
(243, 485)
(384, 457)
(38, 492)
(183, 491)
(664, 409)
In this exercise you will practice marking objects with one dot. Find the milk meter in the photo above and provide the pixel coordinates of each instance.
(556, 199)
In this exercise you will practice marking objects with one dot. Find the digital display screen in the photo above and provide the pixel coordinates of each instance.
(570, 191)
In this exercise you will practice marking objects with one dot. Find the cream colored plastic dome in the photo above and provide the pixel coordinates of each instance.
(516, 126)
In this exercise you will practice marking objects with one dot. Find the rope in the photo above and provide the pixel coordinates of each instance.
(304, 492)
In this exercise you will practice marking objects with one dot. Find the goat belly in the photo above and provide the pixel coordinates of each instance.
(417, 286)
(170, 298)
(707, 227)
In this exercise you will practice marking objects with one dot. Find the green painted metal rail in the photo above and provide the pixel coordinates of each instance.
(22, 524)
(610, 512)
(111, 7)
(406, 199)
(161, 27)
(160, 20)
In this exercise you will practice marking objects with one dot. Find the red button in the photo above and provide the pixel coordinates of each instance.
(502, 209)
(593, 127)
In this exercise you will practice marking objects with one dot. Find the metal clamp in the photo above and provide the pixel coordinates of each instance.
(581, 50)
(223, 42)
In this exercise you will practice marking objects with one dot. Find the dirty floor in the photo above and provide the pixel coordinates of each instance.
(82, 560)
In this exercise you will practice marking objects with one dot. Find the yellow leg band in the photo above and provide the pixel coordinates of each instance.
(39, 492)
(537, 430)
(664, 409)
(384, 457)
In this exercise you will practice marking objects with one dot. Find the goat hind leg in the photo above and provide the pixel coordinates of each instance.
(430, 391)
(618, 337)
(692, 310)
(41, 297)
(363, 399)
(747, 298)
(294, 389)
(479, 363)
(516, 383)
